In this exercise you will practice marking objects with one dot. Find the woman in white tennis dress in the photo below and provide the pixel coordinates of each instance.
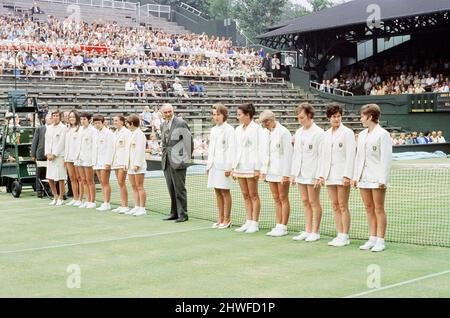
(72, 149)
(336, 171)
(136, 165)
(219, 165)
(276, 169)
(119, 160)
(372, 172)
(307, 150)
(84, 162)
(102, 159)
(247, 164)
(54, 151)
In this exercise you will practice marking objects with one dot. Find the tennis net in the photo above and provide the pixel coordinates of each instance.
(417, 204)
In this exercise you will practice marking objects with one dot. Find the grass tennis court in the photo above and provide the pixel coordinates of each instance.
(123, 256)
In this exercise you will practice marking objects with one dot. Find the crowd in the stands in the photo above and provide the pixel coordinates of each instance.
(53, 47)
(420, 138)
(394, 76)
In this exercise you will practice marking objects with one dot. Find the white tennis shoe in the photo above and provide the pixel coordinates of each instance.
(302, 236)
(313, 237)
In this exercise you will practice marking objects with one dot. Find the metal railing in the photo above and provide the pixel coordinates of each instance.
(155, 8)
(191, 9)
(329, 89)
(100, 3)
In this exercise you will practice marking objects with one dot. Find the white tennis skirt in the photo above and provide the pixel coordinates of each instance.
(99, 167)
(56, 170)
(143, 170)
(83, 164)
(217, 179)
(333, 182)
(363, 184)
(244, 174)
(307, 181)
(273, 178)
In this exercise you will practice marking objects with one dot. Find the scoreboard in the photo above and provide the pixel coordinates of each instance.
(443, 102)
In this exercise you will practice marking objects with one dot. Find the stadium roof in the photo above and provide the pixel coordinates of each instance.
(354, 13)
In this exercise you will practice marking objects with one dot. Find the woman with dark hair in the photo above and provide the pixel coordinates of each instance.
(247, 164)
(336, 171)
(84, 162)
(136, 165)
(220, 162)
(102, 160)
(72, 148)
(119, 160)
(371, 174)
(304, 171)
(54, 151)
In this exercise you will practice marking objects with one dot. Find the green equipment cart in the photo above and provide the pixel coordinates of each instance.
(17, 169)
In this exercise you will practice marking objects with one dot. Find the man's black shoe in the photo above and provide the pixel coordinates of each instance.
(183, 219)
(171, 218)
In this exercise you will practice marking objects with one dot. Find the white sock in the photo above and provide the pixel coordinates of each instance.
(248, 222)
(344, 236)
(372, 239)
(255, 223)
(380, 240)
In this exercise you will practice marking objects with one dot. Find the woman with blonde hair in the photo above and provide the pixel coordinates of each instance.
(276, 168)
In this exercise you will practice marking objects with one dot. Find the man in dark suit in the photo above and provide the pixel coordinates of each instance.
(38, 155)
(177, 148)
(35, 9)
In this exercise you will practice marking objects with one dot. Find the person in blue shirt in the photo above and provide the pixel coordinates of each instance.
(139, 87)
(261, 53)
(87, 60)
(428, 138)
(421, 140)
(196, 89)
(29, 66)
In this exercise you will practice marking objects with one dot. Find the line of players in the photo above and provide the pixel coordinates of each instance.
(86, 147)
(311, 158)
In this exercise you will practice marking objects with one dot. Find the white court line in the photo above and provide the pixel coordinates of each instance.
(102, 241)
(398, 284)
